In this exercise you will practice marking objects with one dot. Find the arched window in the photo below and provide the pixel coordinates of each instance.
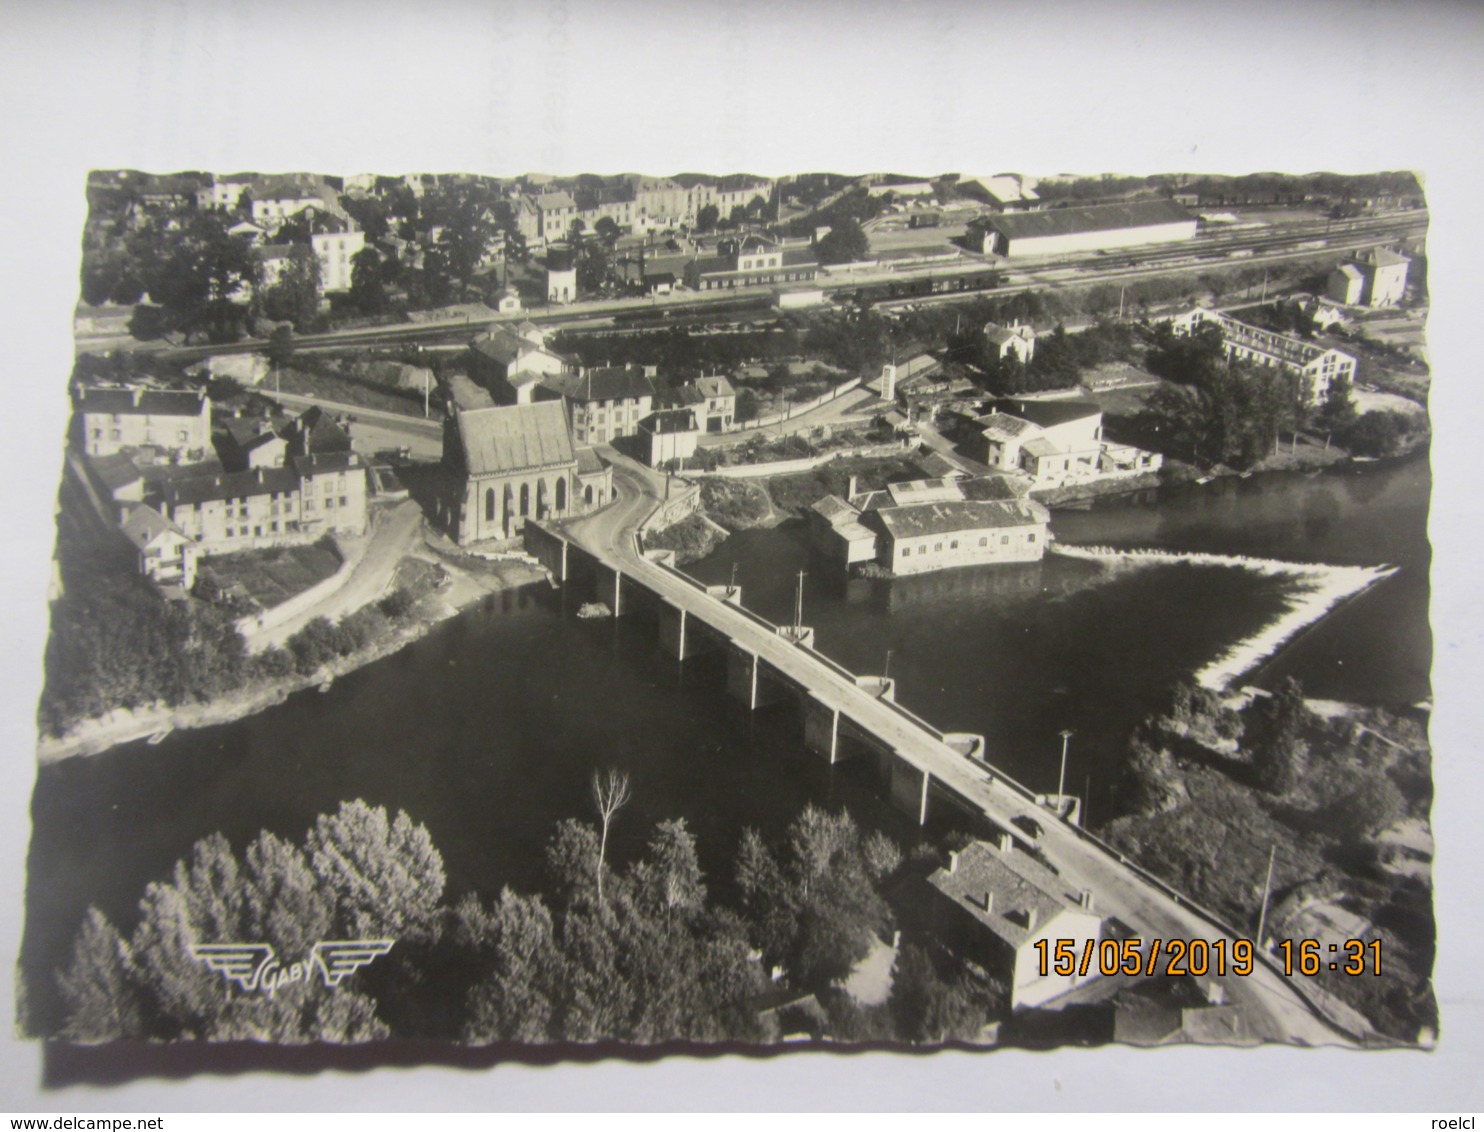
(525, 500)
(587, 495)
(561, 496)
(541, 502)
(489, 505)
(509, 511)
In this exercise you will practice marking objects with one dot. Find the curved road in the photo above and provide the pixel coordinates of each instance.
(1275, 1009)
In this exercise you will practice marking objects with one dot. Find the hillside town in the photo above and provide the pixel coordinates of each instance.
(318, 418)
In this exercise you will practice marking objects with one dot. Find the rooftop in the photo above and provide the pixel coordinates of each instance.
(924, 491)
(833, 509)
(145, 524)
(994, 488)
(1004, 426)
(951, 516)
(190, 490)
(1089, 218)
(605, 383)
(504, 346)
(1023, 894)
(1048, 414)
(999, 335)
(1382, 257)
(514, 437)
(138, 400)
(668, 421)
(704, 388)
(1007, 190)
(115, 471)
(589, 462)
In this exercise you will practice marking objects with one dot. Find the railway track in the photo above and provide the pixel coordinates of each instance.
(1293, 242)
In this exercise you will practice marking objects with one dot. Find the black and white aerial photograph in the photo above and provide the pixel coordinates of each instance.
(705, 607)
(593, 610)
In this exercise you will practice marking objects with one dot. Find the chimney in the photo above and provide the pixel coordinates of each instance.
(1084, 901)
(135, 392)
(850, 492)
(988, 903)
(1030, 919)
(953, 860)
(1007, 843)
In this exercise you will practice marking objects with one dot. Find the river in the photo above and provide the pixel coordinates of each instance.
(487, 730)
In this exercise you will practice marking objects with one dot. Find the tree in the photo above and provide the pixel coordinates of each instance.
(153, 988)
(385, 874)
(610, 794)
(669, 879)
(607, 228)
(1338, 411)
(926, 1008)
(520, 997)
(199, 274)
(1279, 749)
(101, 1004)
(295, 295)
(366, 288)
(707, 217)
(846, 242)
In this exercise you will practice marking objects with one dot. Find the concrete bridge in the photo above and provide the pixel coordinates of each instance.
(847, 715)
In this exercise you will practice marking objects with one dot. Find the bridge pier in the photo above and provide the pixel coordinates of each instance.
(908, 787)
(548, 548)
(822, 729)
(675, 637)
(610, 588)
(882, 687)
(746, 681)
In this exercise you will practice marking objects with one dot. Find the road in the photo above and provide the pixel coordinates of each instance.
(1274, 1008)
(395, 535)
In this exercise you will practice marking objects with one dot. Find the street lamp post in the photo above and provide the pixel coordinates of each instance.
(1061, 780)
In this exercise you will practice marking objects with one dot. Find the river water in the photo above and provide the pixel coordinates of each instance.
(487, 730)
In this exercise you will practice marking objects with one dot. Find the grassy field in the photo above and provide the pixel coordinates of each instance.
(735, 504)
(691, 538)
(348, 389)
(270, 577)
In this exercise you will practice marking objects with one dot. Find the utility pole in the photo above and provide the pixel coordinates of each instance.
(734, 578)
(1061, 781)
(1264, 286)
(1267, 888)
(1121, 291)
(886, 668)
(799, 603)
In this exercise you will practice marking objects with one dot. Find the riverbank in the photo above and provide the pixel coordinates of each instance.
(1324, 588)
(468, 585)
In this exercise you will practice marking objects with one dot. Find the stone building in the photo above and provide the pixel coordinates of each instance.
(506, 464)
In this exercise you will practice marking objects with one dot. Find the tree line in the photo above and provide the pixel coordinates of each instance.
(640, 952)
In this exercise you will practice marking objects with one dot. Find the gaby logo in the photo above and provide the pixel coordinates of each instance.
(254, 966)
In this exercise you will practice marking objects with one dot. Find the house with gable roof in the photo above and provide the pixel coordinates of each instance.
(509, 463)
(167, 555)
(1057, 442)
(994, 904)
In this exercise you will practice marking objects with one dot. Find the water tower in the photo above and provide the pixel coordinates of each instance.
(561, 274)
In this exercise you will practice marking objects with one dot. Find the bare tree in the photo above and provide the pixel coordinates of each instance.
(610, 794)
